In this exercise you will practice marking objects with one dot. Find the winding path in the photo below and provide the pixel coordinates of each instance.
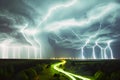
(70, 75)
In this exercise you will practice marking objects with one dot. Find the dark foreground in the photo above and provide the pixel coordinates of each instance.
(42, 69)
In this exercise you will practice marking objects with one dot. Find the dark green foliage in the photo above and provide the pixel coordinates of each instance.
(115, 76)
(98, 70)
(38, 68)
(31, 73)
(22, 76)
(6, 72)
(56, 77)
(48, 66)
(99, 75)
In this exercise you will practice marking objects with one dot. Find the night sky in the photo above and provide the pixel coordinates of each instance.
(61, 28)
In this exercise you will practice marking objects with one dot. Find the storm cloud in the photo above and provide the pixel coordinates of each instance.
(60, 30)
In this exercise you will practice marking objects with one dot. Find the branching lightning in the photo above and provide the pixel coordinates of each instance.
(104, 54)
(56, 7)
(30, 36)
(35, 47)
(50, 11)
(90, 39)
(82, 23)
(93, 18)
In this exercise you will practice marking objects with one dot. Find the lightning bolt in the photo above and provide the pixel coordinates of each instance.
(50, 12)
(109, 47)
(103, 50)
(87, 41)
(104, 11)
(31, 34)
(92, 19)
(4, 52)
(54, 8)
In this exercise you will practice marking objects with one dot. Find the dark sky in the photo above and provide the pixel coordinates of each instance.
(65, 30)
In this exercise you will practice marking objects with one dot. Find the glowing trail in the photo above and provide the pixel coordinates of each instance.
(70, 75)
(55, 66)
